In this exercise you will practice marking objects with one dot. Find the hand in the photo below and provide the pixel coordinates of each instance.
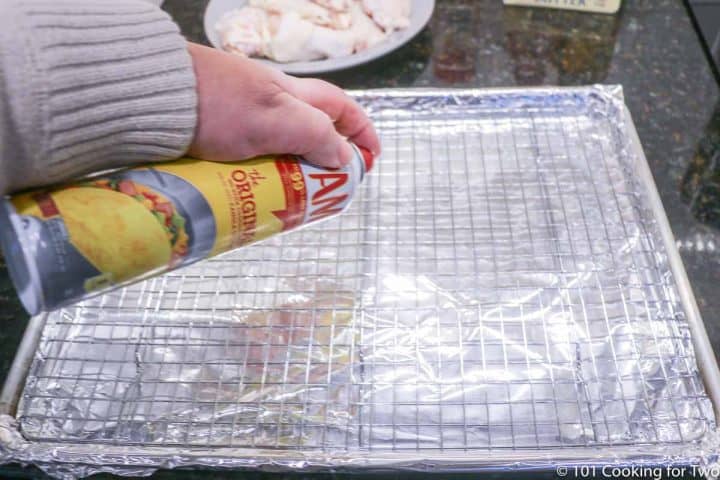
(247, 109)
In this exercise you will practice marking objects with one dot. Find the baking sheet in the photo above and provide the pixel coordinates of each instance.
(498, 291)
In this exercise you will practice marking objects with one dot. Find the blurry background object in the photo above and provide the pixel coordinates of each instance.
(455, 53)
(599, 6)
(545, 50)
(701, 183)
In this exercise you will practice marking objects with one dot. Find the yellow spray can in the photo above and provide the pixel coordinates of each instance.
(66, 243)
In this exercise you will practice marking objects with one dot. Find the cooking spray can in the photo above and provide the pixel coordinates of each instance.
(66, 243)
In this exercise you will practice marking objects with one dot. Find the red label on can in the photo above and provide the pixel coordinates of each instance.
(293, 182)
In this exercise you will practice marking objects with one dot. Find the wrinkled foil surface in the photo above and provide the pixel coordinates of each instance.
(497, 294)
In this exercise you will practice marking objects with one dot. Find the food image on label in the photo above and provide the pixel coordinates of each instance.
(117, 234)
(107, 231)
(162, 209)
(136, 242)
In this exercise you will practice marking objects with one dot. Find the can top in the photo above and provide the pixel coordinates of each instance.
(367, 157)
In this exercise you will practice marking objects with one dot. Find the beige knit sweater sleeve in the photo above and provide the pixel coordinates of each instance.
(87, 85)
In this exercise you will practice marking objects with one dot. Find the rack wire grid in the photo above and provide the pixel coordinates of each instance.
(498, 283)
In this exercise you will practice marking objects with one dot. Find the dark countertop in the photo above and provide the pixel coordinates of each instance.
(651, 48)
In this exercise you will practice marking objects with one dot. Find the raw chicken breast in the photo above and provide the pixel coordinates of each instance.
(306, 9)
(245, 31)
(335, 5)
(339, 13)
(340, 20)
(389, 14)
(364, 30)
(332, 43)
(298, 40)
(306, 30)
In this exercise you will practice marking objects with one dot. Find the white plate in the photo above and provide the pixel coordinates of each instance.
(421, 12)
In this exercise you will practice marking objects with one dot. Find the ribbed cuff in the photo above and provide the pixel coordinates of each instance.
(103, 84)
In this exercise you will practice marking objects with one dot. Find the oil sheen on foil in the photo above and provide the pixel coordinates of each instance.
(497, 292)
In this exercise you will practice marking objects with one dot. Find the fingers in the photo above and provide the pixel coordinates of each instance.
(349, 118)
(304, 130)
(246, 109)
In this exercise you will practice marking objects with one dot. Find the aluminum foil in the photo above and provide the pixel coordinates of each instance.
(498, 294)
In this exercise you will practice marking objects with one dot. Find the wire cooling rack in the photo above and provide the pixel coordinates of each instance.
(499, 283)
